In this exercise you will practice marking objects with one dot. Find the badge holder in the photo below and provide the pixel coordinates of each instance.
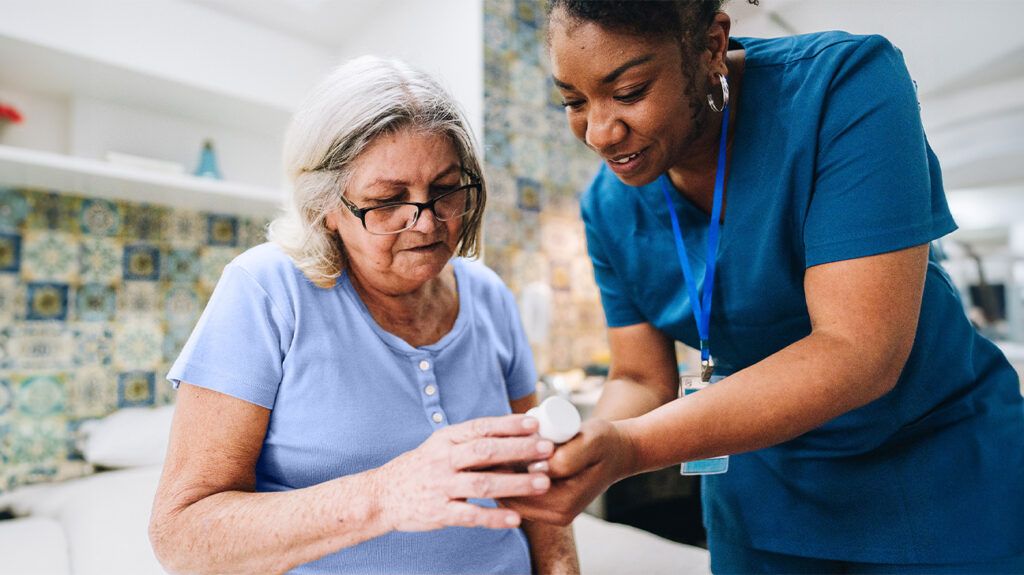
(692, 384)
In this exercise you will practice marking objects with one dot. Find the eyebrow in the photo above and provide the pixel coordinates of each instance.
(391, 183)
(611, 76)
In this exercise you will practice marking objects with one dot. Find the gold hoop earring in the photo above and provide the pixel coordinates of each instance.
(725, 95)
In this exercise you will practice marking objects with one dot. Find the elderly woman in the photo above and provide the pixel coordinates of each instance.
(343, 403)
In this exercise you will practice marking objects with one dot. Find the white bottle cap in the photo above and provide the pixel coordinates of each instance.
(559, 420)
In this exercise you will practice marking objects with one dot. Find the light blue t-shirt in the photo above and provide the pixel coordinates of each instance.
(346, 396)
(829, 162)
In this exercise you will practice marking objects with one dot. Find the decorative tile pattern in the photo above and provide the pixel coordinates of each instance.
(97, 297)
(101, 260)
(95, 302)
(10, 253)
(13, 209)
(49, 256)
(221, 230)
(136, 389)
(47, 301)
(100, 218)
(141, 262)
(536, 170)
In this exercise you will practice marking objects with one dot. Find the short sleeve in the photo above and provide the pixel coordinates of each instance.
(521, 373)
(619, 309)
(239, 344)
(875, 188)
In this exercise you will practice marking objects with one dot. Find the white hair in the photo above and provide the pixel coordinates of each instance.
(359, 101)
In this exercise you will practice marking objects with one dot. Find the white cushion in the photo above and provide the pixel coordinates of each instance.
(105, 519)
(130, 437)
(33, 545)
(612, 549)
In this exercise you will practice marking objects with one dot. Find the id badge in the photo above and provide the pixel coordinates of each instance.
(692, 384)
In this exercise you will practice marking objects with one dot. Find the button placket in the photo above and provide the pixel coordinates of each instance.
(429, 392)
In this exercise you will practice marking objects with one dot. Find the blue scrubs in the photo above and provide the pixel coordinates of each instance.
(830, 163)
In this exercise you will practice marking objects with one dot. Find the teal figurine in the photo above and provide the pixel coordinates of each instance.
(208, 162)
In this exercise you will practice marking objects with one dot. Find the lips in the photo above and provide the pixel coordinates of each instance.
(424, 247)
(624, 164)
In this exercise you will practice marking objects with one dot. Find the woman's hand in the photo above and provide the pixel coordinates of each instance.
(581, 470)
(427, 488)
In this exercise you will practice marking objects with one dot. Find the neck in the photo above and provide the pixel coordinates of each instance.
(420, 316)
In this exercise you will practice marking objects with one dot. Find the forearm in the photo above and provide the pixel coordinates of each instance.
(625, 397)
(787, 394)
(243, 532)
(552, 548)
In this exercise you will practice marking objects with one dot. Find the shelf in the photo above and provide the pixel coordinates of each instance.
(20, 167)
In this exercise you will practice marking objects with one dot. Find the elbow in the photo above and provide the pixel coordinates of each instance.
(163, 543)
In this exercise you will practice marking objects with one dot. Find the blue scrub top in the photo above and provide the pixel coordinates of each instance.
(829, 162)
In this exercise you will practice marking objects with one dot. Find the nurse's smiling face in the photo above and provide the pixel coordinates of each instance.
(626, 97)
(407, 166)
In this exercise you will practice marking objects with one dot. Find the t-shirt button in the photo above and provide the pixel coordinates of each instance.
(424, 365)
(430, 390)
(437, 417)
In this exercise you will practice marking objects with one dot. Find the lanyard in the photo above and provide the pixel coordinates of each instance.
(702, 307)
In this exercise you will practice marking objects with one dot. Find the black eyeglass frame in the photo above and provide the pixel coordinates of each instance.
(361, 212)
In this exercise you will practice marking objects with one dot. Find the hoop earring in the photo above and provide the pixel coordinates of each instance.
(725, 95)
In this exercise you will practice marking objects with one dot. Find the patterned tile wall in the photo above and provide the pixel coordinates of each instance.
(96, 299)
(536, 171)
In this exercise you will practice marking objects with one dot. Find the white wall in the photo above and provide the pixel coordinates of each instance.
(442, 37)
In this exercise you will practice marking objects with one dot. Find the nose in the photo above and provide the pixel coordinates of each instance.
(604, 129)
(425, 223)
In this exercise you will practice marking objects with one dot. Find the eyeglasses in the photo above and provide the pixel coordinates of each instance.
(397, 217)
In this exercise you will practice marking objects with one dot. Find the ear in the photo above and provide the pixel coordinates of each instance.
(331, 221)
(718, 44)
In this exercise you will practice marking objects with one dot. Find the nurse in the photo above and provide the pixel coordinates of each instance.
(771, 202)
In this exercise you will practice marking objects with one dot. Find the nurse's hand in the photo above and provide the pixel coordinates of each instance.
(427, 488)
(580, 471)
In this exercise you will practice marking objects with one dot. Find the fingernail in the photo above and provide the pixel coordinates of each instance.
(512, 520)
(538, 467)
(540, 482)
(530, 423)
(545, 447)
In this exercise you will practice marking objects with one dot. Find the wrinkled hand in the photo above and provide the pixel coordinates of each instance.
(427, 488)
(580, 471)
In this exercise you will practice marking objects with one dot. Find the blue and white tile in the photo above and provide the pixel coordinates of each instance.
(10, 253)
(181, 265)
(14, 209)
(93, 344)
(49, 256)
(211, 263)
(101, 260)
(136, 389)
(92, 391)
(100, 217)
(95, 302)
(182, 306)
(40, 346)
(138, 345)
(141, 261)
(46, 301)
(221, 230)
(40, 395)
(138, 299)
(12, 299)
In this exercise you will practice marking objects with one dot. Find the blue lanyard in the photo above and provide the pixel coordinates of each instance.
(702, 307)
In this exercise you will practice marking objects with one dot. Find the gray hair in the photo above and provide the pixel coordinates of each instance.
(360, 100)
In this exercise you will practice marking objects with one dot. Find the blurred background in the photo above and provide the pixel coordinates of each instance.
(139, 152)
